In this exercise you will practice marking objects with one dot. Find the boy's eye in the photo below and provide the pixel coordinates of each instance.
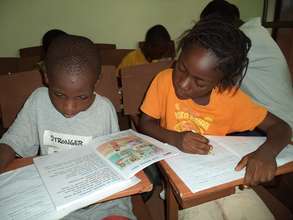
(83, 97)
(58, 94)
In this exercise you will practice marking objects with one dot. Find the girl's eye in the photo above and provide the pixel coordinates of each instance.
(199, 84)
(181, 68)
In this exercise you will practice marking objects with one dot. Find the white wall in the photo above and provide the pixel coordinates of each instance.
(124, 22)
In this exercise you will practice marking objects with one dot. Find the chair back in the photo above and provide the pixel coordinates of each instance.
(31, 51)
(113, 56)
(15, 88)
(107, 86)
(8, 64)
(135, 82)
(28, 63)
(171, 49)
(105, 46)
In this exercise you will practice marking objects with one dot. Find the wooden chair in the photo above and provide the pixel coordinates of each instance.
(171, 50)
(8, 64)
(28, 63)
(113, 56)
(107, 86)
(31, 51)
(14, 90)
(135, 82)
(105, 46)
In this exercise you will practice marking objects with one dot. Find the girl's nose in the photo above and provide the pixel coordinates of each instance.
(184, 83)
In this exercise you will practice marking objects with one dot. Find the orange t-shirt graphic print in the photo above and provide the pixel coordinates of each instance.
(187, 120)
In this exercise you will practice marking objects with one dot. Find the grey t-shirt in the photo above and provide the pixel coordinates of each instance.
(39, 124)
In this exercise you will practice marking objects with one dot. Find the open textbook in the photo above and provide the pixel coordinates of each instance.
(200, 172)
(23, 196)
(101, 166)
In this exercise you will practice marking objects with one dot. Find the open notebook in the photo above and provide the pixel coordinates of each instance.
(200, 172)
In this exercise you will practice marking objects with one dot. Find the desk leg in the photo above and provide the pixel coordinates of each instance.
(171, 204)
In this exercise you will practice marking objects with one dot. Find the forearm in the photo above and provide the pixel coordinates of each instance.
(7, 155)
(278, 137)
(153, 129)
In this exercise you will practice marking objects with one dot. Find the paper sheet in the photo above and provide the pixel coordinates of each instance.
(200, 172)
(23, 196)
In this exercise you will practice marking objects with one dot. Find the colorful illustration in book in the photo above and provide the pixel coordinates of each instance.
(126, 150)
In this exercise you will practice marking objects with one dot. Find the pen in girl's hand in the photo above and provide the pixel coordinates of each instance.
(211, 152)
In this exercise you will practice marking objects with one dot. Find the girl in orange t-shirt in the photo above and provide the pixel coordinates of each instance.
(201, 96)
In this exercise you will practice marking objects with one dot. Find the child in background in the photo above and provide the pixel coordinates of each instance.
(157, 46)
(201, 96)
(268, 80)
(48, 37)
(68, 109)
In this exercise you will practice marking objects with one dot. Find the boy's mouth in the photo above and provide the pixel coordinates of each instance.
(68, 115)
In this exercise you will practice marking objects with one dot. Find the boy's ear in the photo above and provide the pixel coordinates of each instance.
(46, 80)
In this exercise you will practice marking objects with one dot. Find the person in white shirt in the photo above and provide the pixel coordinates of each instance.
(268, 79)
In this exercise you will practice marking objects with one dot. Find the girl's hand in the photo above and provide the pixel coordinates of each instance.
(193, 143)
(260, 166)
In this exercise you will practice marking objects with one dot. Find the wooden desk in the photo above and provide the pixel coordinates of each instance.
(178, 196)
(143, 186)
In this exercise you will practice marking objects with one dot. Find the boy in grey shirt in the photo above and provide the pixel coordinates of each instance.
(66, 114)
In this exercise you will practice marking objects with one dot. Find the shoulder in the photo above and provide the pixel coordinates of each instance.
(133, 58)
(163, 81)
(102, 102)
(164, 76)
(134, 54)
(254, 30)
(39, 94)
(233, 97)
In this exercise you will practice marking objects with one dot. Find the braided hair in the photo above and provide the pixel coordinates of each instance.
(226, 42)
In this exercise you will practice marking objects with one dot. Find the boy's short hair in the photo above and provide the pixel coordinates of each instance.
(223, 9)
(69, 51)
(157, 34)
(229, 44)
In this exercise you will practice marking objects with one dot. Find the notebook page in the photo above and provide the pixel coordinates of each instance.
(200, 172)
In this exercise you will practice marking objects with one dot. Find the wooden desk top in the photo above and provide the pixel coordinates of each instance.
(187, 199)
(143, 186)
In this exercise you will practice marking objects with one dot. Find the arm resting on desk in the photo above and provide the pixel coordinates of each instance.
(7, 155)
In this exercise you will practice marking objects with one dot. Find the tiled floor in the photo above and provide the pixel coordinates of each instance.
(283, 191)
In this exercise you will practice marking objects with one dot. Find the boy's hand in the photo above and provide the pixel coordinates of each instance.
(194, 143)
(260, 166)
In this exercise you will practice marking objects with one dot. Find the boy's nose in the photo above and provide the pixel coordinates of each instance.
(69, 109)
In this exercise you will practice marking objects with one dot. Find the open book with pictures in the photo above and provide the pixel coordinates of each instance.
(201, 172)
(76, 177)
